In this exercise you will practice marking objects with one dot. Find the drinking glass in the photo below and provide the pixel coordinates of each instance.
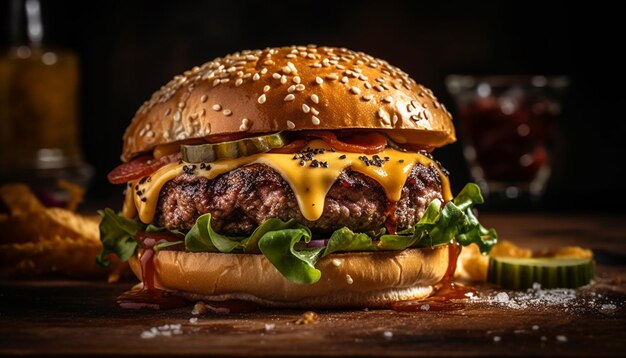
(508, 126)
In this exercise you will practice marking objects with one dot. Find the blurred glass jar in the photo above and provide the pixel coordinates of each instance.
(39, 134)
(509, 129)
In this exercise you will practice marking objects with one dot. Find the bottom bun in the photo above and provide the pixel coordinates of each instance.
(359, 279)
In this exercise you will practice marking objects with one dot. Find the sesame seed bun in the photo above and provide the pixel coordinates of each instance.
(289, 88)
(359, 279)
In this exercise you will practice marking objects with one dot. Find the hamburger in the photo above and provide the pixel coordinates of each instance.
(291, 177)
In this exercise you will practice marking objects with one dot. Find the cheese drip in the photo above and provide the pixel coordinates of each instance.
(309, 184)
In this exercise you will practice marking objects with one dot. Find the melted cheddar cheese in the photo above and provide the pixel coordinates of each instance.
(309, 184)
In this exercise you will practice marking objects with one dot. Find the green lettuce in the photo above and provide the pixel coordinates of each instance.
(284, 243)
(117, 235)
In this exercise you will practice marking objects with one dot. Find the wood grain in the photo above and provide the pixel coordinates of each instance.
(62, 317)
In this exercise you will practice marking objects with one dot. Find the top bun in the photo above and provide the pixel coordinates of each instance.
(290, 88)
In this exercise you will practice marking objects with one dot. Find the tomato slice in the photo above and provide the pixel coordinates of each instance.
(139, 167)
(359, 142)
(292, 147)
(416, 147)
(220, 138)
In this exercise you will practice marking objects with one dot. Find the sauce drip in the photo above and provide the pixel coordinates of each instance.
(149, 296)
(390, 212)
(446, 291)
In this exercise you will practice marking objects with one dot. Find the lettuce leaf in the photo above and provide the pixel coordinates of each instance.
(296, 265)
(284, 243)
(117, 234)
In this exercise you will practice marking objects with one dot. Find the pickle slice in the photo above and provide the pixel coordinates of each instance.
(204, 153)
(550, 272)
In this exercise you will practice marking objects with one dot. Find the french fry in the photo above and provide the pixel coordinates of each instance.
(38, 240)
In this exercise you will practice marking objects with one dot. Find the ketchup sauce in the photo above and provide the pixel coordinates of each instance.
(445, 291)
(149, 296)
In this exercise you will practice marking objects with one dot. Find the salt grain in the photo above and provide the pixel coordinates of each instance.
(497, 338)
(561, 338)
(388, 334)
(608, 308)
(166, 330)
(502, 297)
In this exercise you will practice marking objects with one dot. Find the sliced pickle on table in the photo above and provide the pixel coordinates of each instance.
(550, 272)
(204, 153)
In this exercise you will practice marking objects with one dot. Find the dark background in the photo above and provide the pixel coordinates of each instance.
(128, 49)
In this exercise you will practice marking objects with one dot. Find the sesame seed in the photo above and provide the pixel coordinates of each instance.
(378, 88)
(283, 79)
(266, 88)
(388, 99)
(344, 79)
(202, 99)
(367, 97)
(177, 116)
(262, 99)
(276, 76)
(314, 111)
(315, 98)
(300, 87)
(394, 119)
(287, 69)
(256, 77)
(355, 90)
(168, 111)
(264, 71)
(224, 80)
(332, 76)
(238, 82)
(216, 107)
(181, 105)
(150, 134)
(319, 80)
(290, 125)
(315, 120)
(291, 55)
(289, 98)
(384, 116)
(296, 79)
(227, 112)
(216, 82)
(367, 85)
(291, 88)
(305, 108)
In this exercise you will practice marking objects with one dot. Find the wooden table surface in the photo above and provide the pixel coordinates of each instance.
(58, 317)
